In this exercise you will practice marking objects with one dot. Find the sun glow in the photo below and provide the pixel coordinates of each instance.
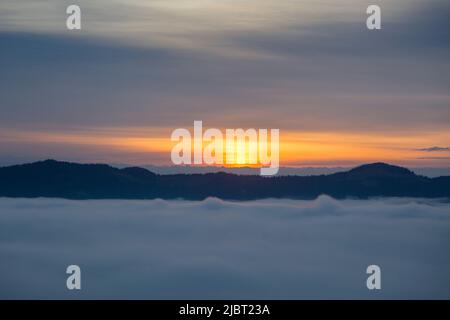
(235, 147)
(152, 146)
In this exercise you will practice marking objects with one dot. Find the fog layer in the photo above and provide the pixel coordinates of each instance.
(214, 249)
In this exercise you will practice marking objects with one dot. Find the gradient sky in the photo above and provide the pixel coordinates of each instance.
(114, 91)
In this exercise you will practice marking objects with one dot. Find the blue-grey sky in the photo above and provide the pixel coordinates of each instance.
(301, 66)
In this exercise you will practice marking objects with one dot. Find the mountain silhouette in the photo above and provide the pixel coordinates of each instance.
(380, 169)
(52, 178)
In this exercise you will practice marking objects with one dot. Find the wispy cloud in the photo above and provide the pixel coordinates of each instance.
(435, 149)
(433, 158)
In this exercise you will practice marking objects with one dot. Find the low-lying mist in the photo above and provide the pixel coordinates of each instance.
(268, 249)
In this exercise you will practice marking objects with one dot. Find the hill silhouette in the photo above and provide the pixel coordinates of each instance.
(52, 178)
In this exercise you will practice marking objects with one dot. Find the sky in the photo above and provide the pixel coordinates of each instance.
(114, 91)
(213, 249)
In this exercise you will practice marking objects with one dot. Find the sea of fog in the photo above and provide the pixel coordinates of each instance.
(268, 249)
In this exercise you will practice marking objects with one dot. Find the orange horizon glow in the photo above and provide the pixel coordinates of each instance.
(296, 148)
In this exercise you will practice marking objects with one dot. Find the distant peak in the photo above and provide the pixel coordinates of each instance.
(51, 163)
(137, 171)
(44, 162)
(382, 169)
(48, 161)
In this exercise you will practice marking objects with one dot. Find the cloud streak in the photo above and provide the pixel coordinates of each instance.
(435, 149)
